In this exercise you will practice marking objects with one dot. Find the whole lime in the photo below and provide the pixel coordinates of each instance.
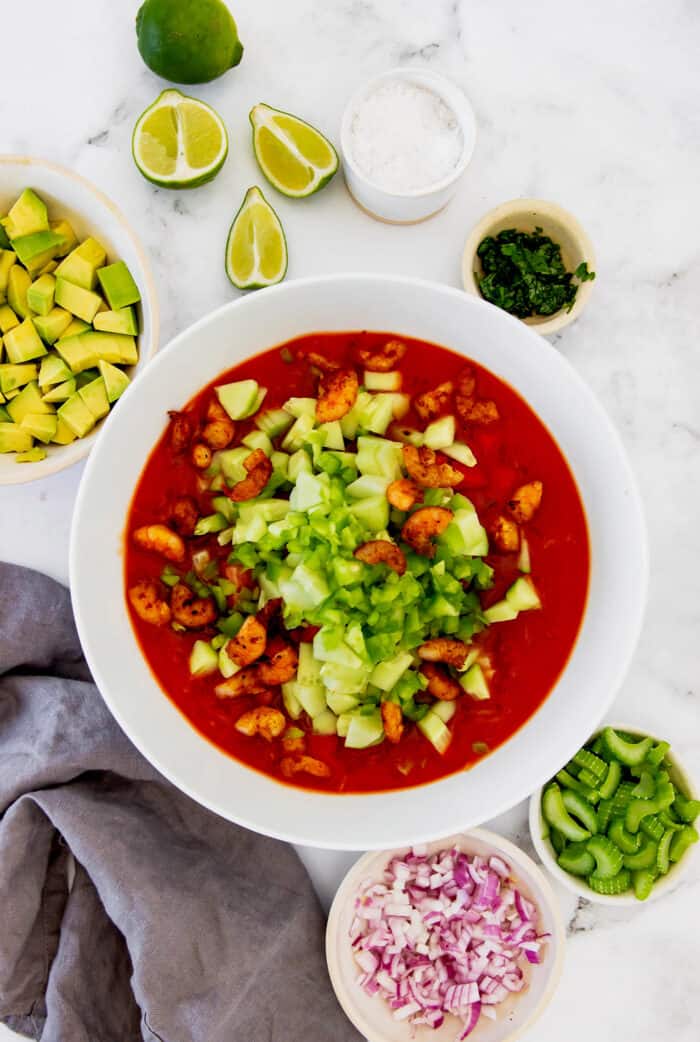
(188, 41)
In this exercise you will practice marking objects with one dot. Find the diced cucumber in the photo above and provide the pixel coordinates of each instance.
(210, 524)
(437, 732)
(297, 407)
(524, 556)
(377, 414)
(364, 731)
(382, 381)
(274, 422)
(325, 723)
(460, 452)
(306, 588)
(522, 595)
(465, 534)
(387, 674)
(344, 680)
(445, 710)
(252, 530)
(372, 512)
(227, 667)
(280, 463)
(334, 435)
(329, 647)
(258, 440)
(309, 668)
(310, 697)
(340, 704)
(343, 724)
(203, 659)
(474, 683)
(240, 399)
(299, 463)
(379, 456)
(291, 702)
(440, 433)
(501, 611)
(369, 485)
(298, 433)
(268, 509)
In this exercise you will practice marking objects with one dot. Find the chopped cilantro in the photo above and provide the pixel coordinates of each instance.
(524, 274)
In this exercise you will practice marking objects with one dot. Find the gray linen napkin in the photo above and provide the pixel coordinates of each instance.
(179, 927)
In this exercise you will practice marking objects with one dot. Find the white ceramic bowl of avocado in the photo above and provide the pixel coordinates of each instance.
(78, 315)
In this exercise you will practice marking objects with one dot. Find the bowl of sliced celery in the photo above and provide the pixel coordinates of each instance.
(78, 315)
(616, 824)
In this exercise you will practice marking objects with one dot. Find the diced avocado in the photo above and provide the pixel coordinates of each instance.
(62, 392)
(203, 659)
(76, 354)
(64, 435)
(5, 243)
(86, 377)
(118, 286)
(501, 611)
(76, 415)
(8, 319)
(52, 326)
(76, 326)
(41, 426)
(81, 264)
(522, 595)
(14, 439)
(28, 401)
(474, 683)
(239, 398)
(95, 397)
(35, 455)
(437, 733)
(65, 230)
(80, 302)
(116, 382)
(4, 414)
(8, 259)
(41, 293)
(116, 348)
(34, 251)
(365, 730)
(325, 723)
(122, 321)
(27, 215)
(18, 283)
(49, 268)
(14, 376)
(24, 343)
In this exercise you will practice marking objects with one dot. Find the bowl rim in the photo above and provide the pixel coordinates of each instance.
(289, 829)
(81, 447)
(561, 318)
(364, 867)
(661, 887)
(449, 92)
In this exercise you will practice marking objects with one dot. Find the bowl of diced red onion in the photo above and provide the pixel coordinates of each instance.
(454, 939)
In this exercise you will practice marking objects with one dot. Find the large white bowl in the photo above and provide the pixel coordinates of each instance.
(90, 212)
(618, 568)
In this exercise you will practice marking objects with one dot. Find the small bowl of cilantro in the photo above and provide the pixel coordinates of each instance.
(532, 259)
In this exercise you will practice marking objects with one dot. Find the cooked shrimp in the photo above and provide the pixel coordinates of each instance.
(147, 601)
(259, 470)
(506, 534)
(294, 744)
(249, 643)
(263, 720)
(201, 455)
(381, 551)
(184, 515)
(338, 394)
(290, 766)
(440, 684)
(241, 577)
(525, 501)
(469, 408)
(220, 429)
(326, 365)
(444, 649)
(191, 611)
(161, 540)
(404, 494)
(181, 430)
(422, 464)
(422, 527)
(431, 403)
(281, 665)
(245, 682)
(392, 718)
(381, 359)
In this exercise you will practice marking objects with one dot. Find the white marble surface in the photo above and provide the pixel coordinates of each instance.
(594, 106)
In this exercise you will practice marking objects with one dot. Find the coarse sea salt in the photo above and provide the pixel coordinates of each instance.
(404, 137)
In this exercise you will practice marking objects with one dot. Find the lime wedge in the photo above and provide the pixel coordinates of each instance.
(295, 157)
(256, 249)
(179, 142)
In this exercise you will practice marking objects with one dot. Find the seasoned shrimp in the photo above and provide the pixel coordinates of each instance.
(249, 643)
(245, 682)
(263, 720)
(422, 465)
(201, 455)
(440, 684)
(326, 365)
(525, 501)
(431, 403)
(184, 515)
(259, 470)
(294, 744)
(281, 665)
(404, 494)
(469, 408)
(422, 527)
(161, 540)
(290, 766)
(147, 600)
(381, 551)
(191, 611)
(505, 534)
(220, 429)
(392, 718)
(241, 577)
(381, 359)
(444, 649)
(338, 394)
(181, 430)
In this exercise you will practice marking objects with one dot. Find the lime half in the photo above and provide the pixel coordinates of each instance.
(179, 142)
(295, 157)
(256, 249)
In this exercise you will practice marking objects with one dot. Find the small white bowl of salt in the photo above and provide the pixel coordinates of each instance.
(407, 137)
